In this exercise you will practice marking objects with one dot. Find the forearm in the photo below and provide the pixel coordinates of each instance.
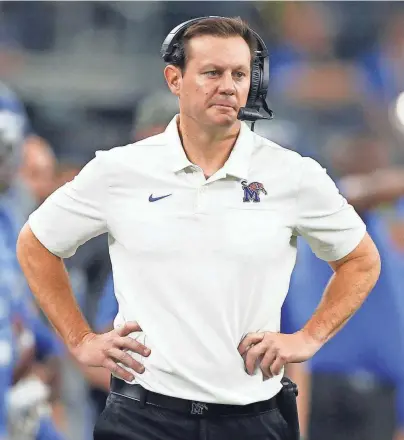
(399, 435)
(368, 191)
(49, 282)
(23, 364)
(347, 290)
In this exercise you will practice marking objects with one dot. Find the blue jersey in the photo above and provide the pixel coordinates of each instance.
(6, 361)
(10, 287)
(107, 306)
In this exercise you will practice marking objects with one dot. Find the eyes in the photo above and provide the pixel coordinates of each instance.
(216, 73)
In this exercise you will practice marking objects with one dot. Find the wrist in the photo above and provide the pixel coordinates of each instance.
(75, 340)
(312, 339)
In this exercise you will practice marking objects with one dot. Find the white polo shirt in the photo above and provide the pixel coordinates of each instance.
(200, 263)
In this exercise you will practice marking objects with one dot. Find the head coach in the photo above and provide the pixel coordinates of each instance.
(202, 223)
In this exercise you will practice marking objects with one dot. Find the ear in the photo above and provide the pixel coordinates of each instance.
(173, 76)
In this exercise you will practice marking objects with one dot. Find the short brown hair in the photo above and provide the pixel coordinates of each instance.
(224, 27)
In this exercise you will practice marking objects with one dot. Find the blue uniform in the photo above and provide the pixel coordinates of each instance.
(372, 341)
(12, 129)
(10, 287)
(107, 306)
(6, 357)
(21, 305)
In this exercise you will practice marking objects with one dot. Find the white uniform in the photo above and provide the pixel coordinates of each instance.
(200, 263)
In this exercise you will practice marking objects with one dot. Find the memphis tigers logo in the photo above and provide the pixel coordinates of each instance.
(252, 191)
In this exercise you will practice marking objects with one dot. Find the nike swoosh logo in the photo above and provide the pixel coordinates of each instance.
(154, 199)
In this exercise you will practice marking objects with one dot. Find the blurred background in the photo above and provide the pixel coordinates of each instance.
(76, 77)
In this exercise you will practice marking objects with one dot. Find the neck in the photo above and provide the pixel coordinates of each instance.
(207, 149)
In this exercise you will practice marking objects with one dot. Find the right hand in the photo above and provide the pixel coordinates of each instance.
(108, 349)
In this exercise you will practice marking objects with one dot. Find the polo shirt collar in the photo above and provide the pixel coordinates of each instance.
(237, 164)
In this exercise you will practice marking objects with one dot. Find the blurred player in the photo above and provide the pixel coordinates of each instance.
(33, 342)
(357, 379)
(12, 122)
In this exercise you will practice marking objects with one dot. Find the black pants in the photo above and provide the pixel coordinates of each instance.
(125, 419)
(351, 409)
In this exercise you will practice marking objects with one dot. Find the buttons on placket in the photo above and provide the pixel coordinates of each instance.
(201, 189)
(200, 203)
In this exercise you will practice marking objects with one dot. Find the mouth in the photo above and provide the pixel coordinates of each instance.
(226, 106)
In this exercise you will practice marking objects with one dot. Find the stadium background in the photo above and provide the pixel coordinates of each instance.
(90, 77)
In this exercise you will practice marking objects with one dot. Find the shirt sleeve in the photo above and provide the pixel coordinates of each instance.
(324, 218)
(75, 212)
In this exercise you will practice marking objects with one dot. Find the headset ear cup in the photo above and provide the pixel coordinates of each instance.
(255, 84)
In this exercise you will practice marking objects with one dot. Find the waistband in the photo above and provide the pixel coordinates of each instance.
(194, 408)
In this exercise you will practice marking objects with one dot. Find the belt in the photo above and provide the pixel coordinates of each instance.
(137, 392)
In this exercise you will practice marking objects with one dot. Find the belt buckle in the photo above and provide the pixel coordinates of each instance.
(198, 408)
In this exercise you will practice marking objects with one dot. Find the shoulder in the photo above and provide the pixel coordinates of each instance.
(127, 158)
(144, 148)
(274, 156)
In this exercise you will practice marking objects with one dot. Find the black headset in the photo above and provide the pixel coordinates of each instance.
(172, 54)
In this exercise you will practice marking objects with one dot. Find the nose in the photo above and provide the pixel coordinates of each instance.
(226, 86)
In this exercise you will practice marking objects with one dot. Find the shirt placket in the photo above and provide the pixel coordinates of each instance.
(201, 183)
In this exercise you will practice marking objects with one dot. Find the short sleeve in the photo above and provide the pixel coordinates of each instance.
(325, 220)
(75, 212)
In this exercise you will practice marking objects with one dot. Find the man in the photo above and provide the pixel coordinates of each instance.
(26, 326)
(153, 113)
(202, 224)
(12, 122)
(38, 168)
(357, 379)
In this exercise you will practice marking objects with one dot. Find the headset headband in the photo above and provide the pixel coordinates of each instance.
(176, 34)
(259, 72)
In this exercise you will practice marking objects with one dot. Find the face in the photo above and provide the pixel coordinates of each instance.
(361, 156)
(216, 80)
(38, 169)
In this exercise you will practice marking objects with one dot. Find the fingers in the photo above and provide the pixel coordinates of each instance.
(250, 339)
(266, 363)
(114, 368)
(126, 359)
(130, 344)
(128, 328)
(278, 363)
(253, 356)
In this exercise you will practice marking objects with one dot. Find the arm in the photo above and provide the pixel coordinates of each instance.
(399, 435)
(354, 277)
(72, 215)
(26, 351)
(49, 282)
(366, 191)
(46, 275)
(335, 233)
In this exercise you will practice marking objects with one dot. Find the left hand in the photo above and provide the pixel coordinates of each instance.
(272, 351)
